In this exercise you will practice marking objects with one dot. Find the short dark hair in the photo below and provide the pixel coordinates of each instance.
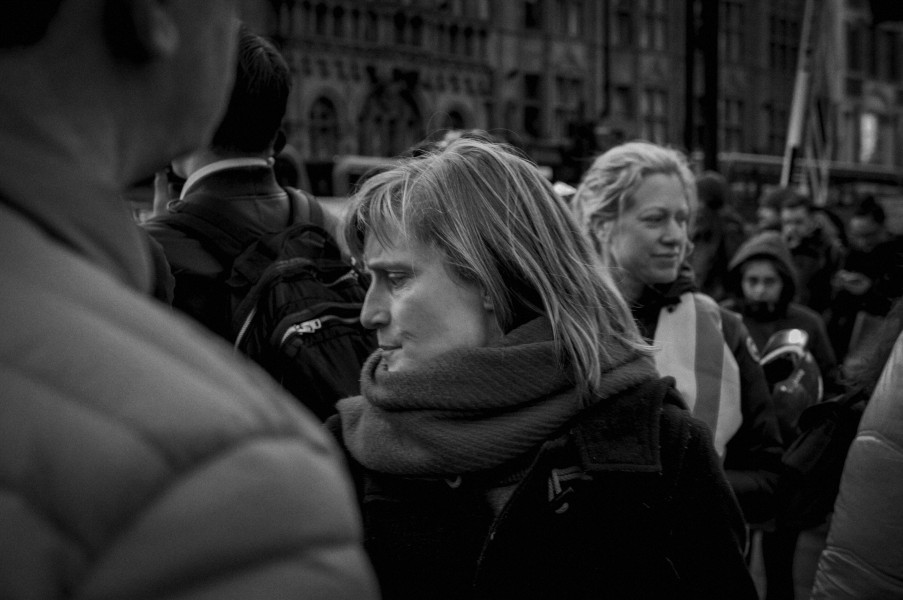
(712, 189)
(259, 97)
(796, 200)
(775, 198)
(871, 208)
(25, 22)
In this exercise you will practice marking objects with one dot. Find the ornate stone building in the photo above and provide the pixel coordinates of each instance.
(563, 79)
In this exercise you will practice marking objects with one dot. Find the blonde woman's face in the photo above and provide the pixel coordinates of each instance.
(649, 241)
(418, 308)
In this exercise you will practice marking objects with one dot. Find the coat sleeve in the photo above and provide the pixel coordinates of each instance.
(753, 457)
(864, 553)
(269, 518)
(708, 531)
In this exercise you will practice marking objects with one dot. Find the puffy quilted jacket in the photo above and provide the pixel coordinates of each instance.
(138, 458)
(864, 553)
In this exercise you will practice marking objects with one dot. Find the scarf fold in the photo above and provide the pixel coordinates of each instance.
(472, 409)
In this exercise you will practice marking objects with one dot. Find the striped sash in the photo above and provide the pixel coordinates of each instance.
(693, 351)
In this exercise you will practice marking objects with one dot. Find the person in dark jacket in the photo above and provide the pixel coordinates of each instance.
(761, 281)
(636, 202)
(718, 231)
(233, 174)
(513, 439)
(870, 279)
(816, 253)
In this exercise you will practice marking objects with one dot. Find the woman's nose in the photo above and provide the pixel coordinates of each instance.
(675, 231)
(374, 313)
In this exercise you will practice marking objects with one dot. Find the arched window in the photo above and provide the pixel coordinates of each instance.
(416, 31)
(320, 19)
(324, 130)
(389, 124)
(338, 22)
(371, 33)
(400, 26)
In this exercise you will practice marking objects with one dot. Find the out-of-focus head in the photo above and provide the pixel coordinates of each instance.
(713, 190)
(866, 227)
(636, 203)
(797, 219)
(769, 209)
(259, 97)
(153, 77)
(501, 235)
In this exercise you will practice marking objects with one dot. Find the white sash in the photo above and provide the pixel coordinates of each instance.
(693, 351)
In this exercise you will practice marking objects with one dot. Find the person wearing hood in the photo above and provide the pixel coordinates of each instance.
(762, 283)
(636, 203)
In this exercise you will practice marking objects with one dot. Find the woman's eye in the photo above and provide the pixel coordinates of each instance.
(396, 279)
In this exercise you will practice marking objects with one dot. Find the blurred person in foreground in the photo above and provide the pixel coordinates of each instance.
(864, 553)
(636, 202)
(513, 439)
(138, 458)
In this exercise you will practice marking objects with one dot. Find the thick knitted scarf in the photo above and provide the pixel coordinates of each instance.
(472, 409)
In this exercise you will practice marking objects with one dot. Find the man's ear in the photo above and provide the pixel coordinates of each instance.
(140, 30)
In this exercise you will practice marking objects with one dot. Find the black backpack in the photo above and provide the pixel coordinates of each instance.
(295, 301)
(813, 463)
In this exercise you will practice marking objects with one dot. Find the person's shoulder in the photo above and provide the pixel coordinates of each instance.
(803, 313)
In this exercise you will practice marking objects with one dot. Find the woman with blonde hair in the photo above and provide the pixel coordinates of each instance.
(512, 438)
(636, 203)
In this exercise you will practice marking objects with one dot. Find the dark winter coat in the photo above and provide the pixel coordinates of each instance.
(752, 459)
(585, 521)
(786, 314)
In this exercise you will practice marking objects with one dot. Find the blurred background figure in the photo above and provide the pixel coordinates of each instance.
(761, 283)
(769, 210)
(869, 281)
(816, 253)
(718, 231)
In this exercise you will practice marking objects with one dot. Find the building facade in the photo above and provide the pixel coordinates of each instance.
(565, 79)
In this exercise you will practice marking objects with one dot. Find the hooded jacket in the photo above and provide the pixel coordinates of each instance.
(786, 314)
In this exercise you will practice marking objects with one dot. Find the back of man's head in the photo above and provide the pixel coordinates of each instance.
(258, 101)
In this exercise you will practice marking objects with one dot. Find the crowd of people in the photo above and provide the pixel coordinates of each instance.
(557, 397)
